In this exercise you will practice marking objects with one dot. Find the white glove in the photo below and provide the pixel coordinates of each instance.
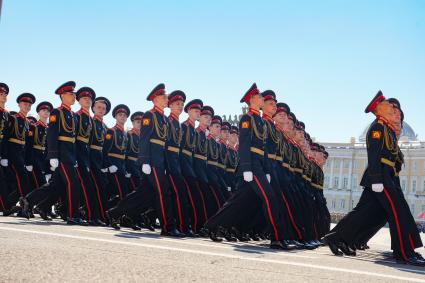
(53, 169)
(113, 169)
(29, 168)
(146, 168)
(268, 177)
(247, 176)
(88, 169)
(128, 175)
(54, 163)
(104, 170)
(48, 176)
(229, 189)
(378, 188)
(4, 162)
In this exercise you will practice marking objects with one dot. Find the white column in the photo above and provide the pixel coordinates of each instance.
(341, 166)
(331, 175)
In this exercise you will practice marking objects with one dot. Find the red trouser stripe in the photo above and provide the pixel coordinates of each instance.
(18, 180)
(396, 223)
(102, 212)
(412, 245)
(215, 196)
(133, 185)
(276, 233)
(203, 204)
(1, 202)
(68, 189)
(178, 203)
(291, 216)
(158, 186)
(86, 199)
(35, 179)
(118, 184)
(192, 203)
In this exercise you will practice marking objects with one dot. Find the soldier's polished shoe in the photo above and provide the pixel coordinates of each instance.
(24, 204)
(277, 245)
(92, 223)
(214, 237)
(309, 246)
(136, 227)
(299, 245)
(173, 233)
(42, 214)
(76, 221)
(112, 221)
(11, 211)
(100, 223)
(332, 246)
(412, 260)
(288, 245)
(203, 232)
(255, 237)
(190, 233)
(345, 249)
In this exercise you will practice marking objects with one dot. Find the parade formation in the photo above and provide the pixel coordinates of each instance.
(203, 177)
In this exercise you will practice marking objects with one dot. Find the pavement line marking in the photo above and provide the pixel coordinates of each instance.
(218, 245)
(198, 252)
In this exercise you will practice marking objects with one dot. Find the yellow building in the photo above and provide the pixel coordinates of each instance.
(347, 162)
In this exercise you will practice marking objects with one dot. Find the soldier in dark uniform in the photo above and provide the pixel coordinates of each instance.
(187, 149)
(4, 117)
(101, 107)
(84, 128)
(232, 158)
(380, 191)
(15, 135)
(212, 201)
(154, 192)
(36, 163)
(223, 140)
(114, 150)
(61, 153)
(179, 191)
(133, 140)
(256, 187)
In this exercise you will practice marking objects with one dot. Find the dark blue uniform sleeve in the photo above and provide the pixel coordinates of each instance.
(53, 134)
(375, 142)
(107, 145)
(245, 135)
(145, 133)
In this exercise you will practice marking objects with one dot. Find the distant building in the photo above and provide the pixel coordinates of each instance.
(347, 162)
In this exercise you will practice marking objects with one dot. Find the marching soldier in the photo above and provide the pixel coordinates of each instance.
(232, 158)
(187, 149)
(180, 199)
(380, 190)
(101, 107)
(256, 188)
(84, 126)
(154, 192)
(61, 153)
(36, 146)
(114, 150)
(133, 140)
(13, 151)
(4, 117)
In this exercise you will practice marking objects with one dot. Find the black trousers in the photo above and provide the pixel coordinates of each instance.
(117, 184)
(100, 183)
(88, 195)
(242, 201)
(197, 203)
(153, 193)
(18, 183)
(180, 201)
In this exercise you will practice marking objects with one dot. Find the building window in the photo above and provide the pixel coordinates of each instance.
(333, 204)
(414, 166)
(345, 183)
(414, 186)
(328, 164)
(337, 163)
(327, 181)
(342, 204)
(336, 182)
(346, 164)
(423, 186)
(354, 182)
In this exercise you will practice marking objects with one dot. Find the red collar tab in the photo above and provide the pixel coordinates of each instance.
(157, 109)
(253, 111)
(84, 111)
(22, 115)
(98, 118)
(119, 127)
(41, 123)
(189, 122)
(267, 117)
(174, 117)
(66, 107)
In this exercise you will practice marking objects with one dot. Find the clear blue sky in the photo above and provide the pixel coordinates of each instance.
(326, 59)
